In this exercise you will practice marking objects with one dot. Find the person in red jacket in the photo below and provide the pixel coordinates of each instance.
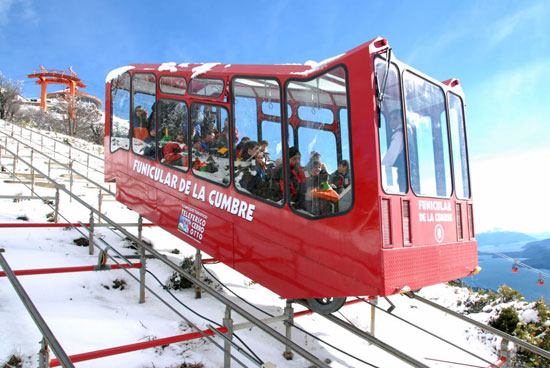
(173, 152)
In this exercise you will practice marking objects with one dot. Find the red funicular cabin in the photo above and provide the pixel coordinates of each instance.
(389, 209)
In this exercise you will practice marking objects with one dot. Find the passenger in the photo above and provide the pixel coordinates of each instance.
(320, 197)
(250, 150)
(209, 142)
(140, 124)
(263, 147)
(240, 147)
(339, 179)
(150, 144)
(315, 156)
(254, 180)
(208, 121)
(173, 152)
(297, 179)
(395, 156)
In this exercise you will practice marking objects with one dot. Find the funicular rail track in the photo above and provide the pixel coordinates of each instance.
(230, 305)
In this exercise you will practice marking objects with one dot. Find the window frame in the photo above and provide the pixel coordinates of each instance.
(189, 84)
(190, 146)
(129, 114)
(158, 140)
(403, 122)
(463, 110)
(279, 204)
(132, 94)
(172, 93)
(336, 120)
(445, 109)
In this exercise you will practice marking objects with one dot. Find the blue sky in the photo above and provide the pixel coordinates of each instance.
(500, 51)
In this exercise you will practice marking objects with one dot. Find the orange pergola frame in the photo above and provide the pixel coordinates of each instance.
(46, 77)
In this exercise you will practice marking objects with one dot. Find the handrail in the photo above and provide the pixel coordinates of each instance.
(85, 177)
(56, 140)
(515, 340)
(38, 320)
(203, 285)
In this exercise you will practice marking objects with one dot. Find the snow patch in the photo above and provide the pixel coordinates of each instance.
(530, 316)
(317, 66)
(198, 70)
(183, 65)
(115, 73)
(227, 66)
(171, 66)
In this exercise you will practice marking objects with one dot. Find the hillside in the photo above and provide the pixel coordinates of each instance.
(536, 254)
(502, 237)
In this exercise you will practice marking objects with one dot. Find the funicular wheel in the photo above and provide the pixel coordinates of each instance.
(325, 305)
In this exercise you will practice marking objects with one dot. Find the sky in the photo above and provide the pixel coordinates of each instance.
(500, 51)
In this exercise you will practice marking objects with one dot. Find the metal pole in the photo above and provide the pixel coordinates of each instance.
(49, 167)
(143, 260)
(91, 236)
(44, 354)
(227, 322)
(87, 164)
(372, 315)
(38, 320)
(198, 268)
(99, 205)
(71, 179)
(32, 173)
(56, 214)
(505, 352)
(289, 313)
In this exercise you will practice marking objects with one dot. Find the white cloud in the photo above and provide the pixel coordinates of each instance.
(7, 10)
(532, 17)
(510, 192)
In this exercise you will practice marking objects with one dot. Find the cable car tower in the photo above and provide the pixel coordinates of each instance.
(46, 77)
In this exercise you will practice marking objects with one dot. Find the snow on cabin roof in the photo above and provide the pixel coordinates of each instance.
(317, 66)
(171, 66)
(198, 70)
(115, 73)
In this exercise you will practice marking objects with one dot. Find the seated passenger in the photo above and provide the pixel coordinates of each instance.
(297, 179)
(140, 123)
(249, 151)
(150, 144)
(173, 152)
(209, 143)
(254, 178)
(319, 195)
(263, 147)
(339, 180)
(239, 148)
(315, 156)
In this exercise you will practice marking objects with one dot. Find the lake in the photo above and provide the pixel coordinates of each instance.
(497, 271)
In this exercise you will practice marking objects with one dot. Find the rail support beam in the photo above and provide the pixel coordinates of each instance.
(44, 354)
(228, 323)
(91, 235)
(198, 269)
(289, 321)
(505, 352)
(142, 259)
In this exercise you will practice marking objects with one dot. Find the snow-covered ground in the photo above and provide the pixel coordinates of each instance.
(86, 313)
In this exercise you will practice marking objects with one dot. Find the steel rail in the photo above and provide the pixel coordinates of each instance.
(35, 314)
(54, 160)
(382, 345)
(264, 327)
(427, 332)
(515, 340)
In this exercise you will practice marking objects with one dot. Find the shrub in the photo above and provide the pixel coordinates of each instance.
(507, 320)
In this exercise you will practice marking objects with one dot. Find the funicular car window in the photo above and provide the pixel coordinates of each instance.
(427, 137)
(319, 161)
(144, 92)
(390, 134)
(206, 87)
(173, 140)
(460, 153)
(257, 116)
(120, 112)
(210, 144)
(173, 85)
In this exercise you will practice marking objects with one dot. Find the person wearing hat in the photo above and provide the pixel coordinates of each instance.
(315, 156)
(150, 144)
(296, 179)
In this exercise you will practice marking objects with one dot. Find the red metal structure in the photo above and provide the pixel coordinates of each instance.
(383, 205)
(46, 77)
